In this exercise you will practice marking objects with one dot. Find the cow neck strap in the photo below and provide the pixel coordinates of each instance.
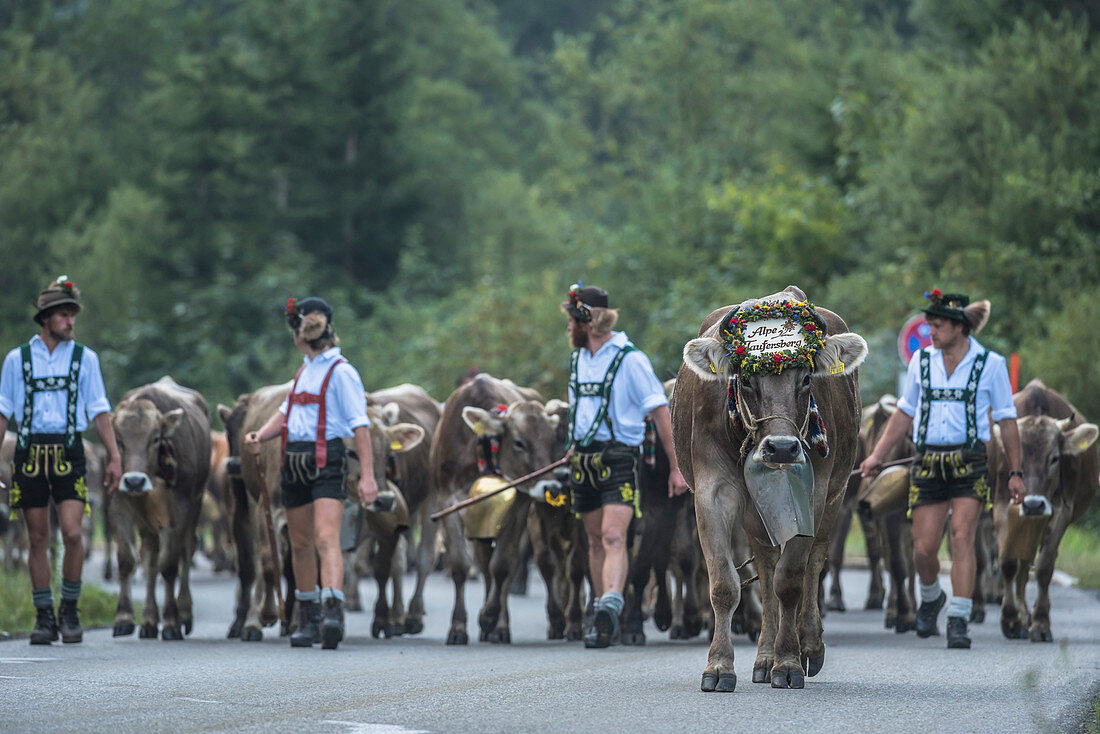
(32, 386)
(967, 395)
(601, 390)
(488, 456)
(320, 455)
(812, 432)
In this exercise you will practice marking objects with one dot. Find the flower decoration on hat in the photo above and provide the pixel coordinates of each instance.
(291, 307)
(799, 319)
(581, 310)
(63, 283)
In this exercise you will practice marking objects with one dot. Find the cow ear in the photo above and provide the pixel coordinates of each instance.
(404, 436)
(481, 423)
(841, 355)
(224, 411)
(170, 421)
(553, 419)
(390, 412)
(706, 357)
(556, 405)
(1079, 439)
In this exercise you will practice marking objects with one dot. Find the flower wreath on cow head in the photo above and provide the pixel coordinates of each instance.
(799, 339)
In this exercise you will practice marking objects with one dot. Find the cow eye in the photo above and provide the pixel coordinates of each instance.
(806, 380)
(1054, 459)
(519, 445)
(156, 440)
(746, 382)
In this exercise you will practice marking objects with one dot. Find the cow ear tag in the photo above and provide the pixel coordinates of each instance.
(837, 369)
(395, 445)
(713, 371)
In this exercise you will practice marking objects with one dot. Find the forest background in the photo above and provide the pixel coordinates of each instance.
(442, 170)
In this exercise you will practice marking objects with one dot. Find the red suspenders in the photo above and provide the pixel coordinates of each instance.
(304, 398)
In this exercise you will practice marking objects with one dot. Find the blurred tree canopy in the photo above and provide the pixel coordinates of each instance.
(442, 170)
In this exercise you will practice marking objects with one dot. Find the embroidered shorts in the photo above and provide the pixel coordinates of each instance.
(301, 480)
(45, 469)
(604, 473)
(942, 473)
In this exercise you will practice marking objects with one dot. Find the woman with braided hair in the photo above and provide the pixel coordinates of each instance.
(326, 405)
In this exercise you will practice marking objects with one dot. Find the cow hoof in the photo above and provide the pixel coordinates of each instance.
(754, 634)
(188, 625)
(977, 616)
(251, 634)
(905, 625)
(573, 635)
(633, 638)
(788, 679)
(376, 629)
(890, 621)
(284, 629)
(456, 637)
(759, 675)
(483, 636)
(663, 619)
(148, 632)
(413, 626)
(836, 604)
(692, 627)
(122, 629)
(676, 633)
(710, 682)
(234, 631)
(171, 634)
(872, 603)
(393, 630)
(500, 637)
(812, 666)
(1038, 635)
(555, 634)
(1013, 630)
(726, 683)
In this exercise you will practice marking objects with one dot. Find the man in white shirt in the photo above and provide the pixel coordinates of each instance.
(52, 386)
(951, 389)
(612, 390)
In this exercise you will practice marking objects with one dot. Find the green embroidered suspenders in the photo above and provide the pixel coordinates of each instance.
(601, 390)
(967, 395)
(32, 386)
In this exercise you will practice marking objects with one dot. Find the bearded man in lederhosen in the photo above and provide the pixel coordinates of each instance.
(326, 404)
(951, 389)
(53, 387)
(612, 390)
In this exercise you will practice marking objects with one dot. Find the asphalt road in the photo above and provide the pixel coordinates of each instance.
(873, 679)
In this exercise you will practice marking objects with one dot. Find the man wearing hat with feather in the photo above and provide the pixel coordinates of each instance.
(951, 389)
(53, 388)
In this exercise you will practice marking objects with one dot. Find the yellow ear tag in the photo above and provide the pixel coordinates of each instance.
(396, 445)
(479, 430)
(837, 369)
(1082, 446)
(713, 371)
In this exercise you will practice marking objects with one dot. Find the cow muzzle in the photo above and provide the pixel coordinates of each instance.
(135, 482)
(779, 452)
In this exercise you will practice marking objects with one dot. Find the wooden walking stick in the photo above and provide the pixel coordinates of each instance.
(474, 500)
(899, 462)
(266, 500)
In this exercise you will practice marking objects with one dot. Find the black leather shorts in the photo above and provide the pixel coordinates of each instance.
(604, 473)
(46, 468)
(942, 473)
(301, 480)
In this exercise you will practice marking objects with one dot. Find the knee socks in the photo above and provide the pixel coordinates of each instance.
(43, 598)
(70, 590)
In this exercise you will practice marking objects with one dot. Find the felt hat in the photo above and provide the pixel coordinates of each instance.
(61, 292)
(582, 299)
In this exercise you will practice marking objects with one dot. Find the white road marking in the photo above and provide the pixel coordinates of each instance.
(196, 700)
(24, 661)
(355, 727)
(15, 677)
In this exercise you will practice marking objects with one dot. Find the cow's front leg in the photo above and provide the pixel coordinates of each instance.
(124, 613)
(717, 511)
(1011, 625)
(460, 569)
(395, 623)
(789, 581)
(1044, 571)
(809, 625)
(150, 552)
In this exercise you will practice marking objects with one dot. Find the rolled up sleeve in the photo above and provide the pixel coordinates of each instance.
(10, 384)
(646, 391)
(1000, 390)
(92, 389)
(910, 398)
(351, 395)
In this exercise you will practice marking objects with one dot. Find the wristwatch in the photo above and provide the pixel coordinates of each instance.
(1016, 473)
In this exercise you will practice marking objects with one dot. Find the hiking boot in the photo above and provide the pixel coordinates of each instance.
(927, 614)
(45, 627)
(69, 622)
(957, 639)
(332, 623)
(309, 625)
(605, 629)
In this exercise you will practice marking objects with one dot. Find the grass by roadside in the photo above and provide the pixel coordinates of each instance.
(1078, 553)
(17, 616)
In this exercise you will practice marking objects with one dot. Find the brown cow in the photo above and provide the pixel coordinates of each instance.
(710, 452)
(1060, 463)
(163, 435)
(411, 471)
(527, 441)
(214, 513)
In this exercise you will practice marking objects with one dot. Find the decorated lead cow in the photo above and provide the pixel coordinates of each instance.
(765, 420)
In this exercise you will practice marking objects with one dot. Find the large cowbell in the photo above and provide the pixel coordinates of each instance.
(783, 497)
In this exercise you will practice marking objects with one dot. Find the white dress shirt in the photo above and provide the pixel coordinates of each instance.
(50, 407)
(635, 392)
(345, 401)
(947, 419)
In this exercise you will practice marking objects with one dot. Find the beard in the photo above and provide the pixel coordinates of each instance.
(578, 338)
(62, 336)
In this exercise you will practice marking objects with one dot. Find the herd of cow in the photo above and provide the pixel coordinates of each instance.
(694, 558)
